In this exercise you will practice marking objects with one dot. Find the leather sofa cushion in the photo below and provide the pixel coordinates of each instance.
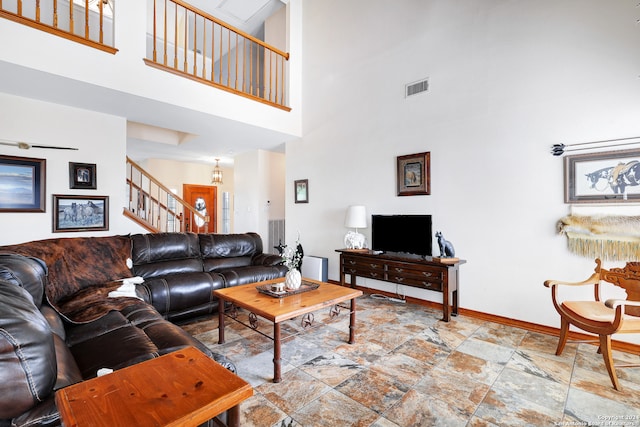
(159, 254)
(179, 292)
(54, 321)
(116, 349)
(229, 245)
(27, 352)
(27, 272)
(252, 274)
(78, 333)
(67, 368)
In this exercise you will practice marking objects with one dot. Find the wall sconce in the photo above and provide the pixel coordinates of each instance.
(216, 175)
(356, 217)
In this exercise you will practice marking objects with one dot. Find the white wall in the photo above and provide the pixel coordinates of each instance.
(259, 178)
(100, 139)
(508, 80)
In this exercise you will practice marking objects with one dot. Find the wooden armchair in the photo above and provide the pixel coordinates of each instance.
(598, 317)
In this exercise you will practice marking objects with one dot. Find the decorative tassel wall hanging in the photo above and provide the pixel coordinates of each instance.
(614, 238)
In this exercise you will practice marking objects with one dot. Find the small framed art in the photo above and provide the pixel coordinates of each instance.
(413, 174)
(22, 184)
(82, 175)
(605, 177)
(80, 213)
(301, 188)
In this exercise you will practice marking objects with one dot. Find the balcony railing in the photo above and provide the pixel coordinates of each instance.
(157, 209)
(181, 39)
(189, 42)
(89, 22)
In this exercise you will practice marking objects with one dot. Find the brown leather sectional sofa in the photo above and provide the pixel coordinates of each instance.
(58, 325)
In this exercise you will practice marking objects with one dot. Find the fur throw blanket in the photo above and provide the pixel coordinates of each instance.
(613, 225)
(81, 273)
(606, 237)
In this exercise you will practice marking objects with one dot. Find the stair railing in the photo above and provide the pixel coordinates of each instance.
(156, 208)
(189, 42)
(84, 21)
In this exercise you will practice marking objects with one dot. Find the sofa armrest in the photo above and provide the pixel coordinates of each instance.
(267, 259)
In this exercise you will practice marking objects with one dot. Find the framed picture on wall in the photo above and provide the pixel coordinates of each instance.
(301, 188)
(80, 213)
(414, 174)
(82, 175)
(22, 184)
(605, 177)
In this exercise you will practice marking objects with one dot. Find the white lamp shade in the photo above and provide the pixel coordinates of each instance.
(356, 217)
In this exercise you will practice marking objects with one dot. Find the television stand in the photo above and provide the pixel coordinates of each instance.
(429, 273)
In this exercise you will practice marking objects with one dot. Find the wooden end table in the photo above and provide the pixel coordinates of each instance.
(182, 388)
(277, 310)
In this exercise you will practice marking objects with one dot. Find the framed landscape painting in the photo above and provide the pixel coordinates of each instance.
(80, 213)
(605, 177)
(22, 184)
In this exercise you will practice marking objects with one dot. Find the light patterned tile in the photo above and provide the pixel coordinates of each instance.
(524, 386)
(543, 366)
(374, 390)
(335, 409)
(417, 409)
(332, 369)
(476, 368)
(296, 390)
(505, 409)
(591, 409)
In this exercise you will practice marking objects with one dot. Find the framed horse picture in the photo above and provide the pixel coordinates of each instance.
(414, 174)
(604, 177)
(80, 213)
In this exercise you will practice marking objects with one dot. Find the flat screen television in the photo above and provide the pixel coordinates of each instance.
(409, 234)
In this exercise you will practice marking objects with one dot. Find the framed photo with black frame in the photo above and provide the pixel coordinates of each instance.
(603, 177)
(301, 190)
(414, 174)
(22, 184)
(80, 213)
(82, 176)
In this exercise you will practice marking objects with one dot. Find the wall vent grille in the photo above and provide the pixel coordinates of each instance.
(415, 88)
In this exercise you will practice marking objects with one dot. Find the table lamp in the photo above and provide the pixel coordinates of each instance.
(356, 218)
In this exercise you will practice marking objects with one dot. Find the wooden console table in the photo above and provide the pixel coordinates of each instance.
(183, 388)
(440, 275)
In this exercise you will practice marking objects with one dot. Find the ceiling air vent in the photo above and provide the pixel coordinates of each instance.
(415, 88)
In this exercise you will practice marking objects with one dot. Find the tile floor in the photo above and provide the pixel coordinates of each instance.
(408, 368)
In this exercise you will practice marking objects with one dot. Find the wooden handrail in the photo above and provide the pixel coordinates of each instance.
(63, 25)
(148, 208)
(192, 43)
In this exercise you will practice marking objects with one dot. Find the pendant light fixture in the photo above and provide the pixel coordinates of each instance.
(216, 175)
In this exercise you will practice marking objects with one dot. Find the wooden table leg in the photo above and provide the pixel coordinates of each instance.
(220, 321)
(446, 314)
(455, 303)
(352, 322)
(277, 377)
(233, 416)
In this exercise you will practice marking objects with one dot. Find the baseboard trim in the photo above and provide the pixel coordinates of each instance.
(533, 327)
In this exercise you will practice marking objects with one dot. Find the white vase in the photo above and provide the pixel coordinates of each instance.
(293, 279)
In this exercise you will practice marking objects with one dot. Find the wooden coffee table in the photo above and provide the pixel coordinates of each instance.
(277, 310)
(182, 388)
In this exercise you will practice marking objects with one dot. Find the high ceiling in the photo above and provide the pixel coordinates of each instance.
(212, 139)
(203, 138)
